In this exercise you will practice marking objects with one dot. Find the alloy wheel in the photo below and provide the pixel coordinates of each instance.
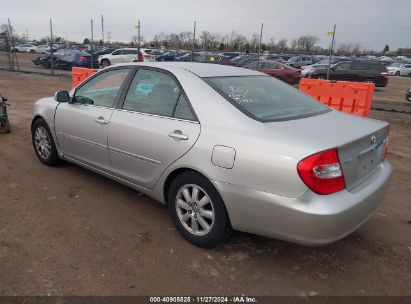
(42, 142)
(195, 209)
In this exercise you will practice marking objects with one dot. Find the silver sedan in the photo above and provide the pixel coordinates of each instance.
(225, 148)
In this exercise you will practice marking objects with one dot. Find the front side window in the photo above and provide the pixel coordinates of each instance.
(118, 52)
(265, 98)
(252, 65)
(101, 90)
(343, 66)
(270, 66)
(152, 92)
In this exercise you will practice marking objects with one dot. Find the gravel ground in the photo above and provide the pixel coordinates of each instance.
(68, 231)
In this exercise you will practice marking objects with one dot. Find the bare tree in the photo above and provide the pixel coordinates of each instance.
(307, 42)
(282, 45)
(271, 43)
(293, 44)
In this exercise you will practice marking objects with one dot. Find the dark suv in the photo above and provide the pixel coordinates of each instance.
(360, 70)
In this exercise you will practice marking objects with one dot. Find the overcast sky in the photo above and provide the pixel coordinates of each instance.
(373, 23)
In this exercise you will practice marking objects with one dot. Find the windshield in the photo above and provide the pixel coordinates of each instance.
(265, 98)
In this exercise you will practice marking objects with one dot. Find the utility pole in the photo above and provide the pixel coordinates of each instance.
(51, 48)
(138, 40)
(194, 41)
(331, 53)
(102, 27)
(27, 35)
(259, 45)
(91, 45)
(13, 45)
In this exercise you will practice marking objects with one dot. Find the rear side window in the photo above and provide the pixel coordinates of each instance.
(265, 98)
(152, 92)
(183, 110)
(157, 93)
(130, 52)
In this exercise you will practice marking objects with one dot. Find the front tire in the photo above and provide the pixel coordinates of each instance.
(397, 73)
(43, 143)
(198, 211)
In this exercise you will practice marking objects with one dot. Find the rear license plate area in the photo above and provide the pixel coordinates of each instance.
(370, 158)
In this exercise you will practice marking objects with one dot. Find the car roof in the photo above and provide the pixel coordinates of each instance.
(199, 69)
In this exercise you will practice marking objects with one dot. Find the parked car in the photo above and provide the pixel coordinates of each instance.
(229, 55)
(213, 58)
(408, 94)
(276, 69)
(406, 70)
(147, 54)
(243, 60)
(105, 51)
(44, 48)
(26, 48)
(67, 58)
(359, 70)
(120, 56)
(274, 57)
(306, 70)
(299, 61)
(394, 68)
(269, 159)
(170, 56)
(187, 57)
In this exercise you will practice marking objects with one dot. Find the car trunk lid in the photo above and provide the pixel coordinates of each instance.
(360, 141)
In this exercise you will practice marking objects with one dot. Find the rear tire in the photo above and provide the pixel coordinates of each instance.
(43, 143)
(199, 215)
(397, 73)
(105, 63)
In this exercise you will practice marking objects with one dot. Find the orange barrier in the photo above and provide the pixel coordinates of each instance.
(80, 74)
(349, 97)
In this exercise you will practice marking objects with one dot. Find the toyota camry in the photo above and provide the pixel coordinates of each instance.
(225, 148)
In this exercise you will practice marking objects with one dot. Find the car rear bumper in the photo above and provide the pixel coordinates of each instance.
(311, 219)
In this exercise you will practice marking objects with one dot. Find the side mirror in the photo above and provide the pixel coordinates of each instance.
(333, 69)
(62, 96)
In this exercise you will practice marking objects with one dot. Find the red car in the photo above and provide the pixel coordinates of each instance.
(277, 70)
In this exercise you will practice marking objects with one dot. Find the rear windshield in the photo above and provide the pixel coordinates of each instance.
(265, 98)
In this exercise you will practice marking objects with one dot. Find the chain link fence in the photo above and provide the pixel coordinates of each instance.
(286, 59)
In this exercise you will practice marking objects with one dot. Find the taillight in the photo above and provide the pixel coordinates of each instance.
(82, 58)
(140, 57)
(302, 68)
(321, 172)
(385, 74)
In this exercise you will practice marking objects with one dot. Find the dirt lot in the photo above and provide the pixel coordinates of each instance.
(67, 231)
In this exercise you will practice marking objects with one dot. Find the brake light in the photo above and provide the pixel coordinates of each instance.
(385, 74)
(82, 58)
(321, 172)
(140, 57)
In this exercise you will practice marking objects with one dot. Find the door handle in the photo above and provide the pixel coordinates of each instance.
(177, 134)
(101, 120)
